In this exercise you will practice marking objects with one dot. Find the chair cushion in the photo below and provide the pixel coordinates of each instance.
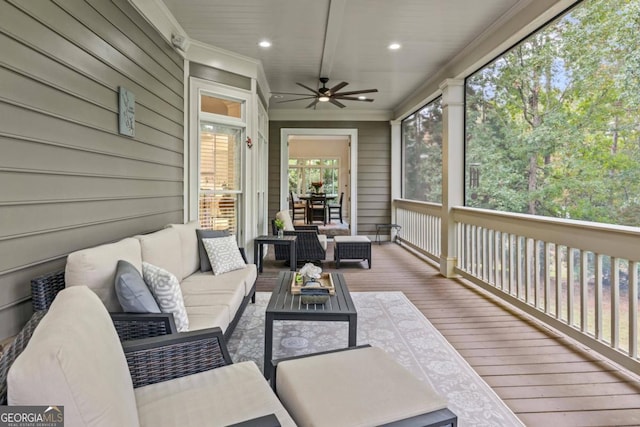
(189, 247)
(221, 396)
(204, 280)
(166, 290)
(323, 241)
(286, 219)
(132, 292)
(363, 386)
(205, 265)
(96, 268)
(75, 359)
(224, 254)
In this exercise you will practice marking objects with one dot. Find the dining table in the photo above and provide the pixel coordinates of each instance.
(307, 198)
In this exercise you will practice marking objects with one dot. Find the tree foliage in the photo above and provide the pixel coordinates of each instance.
(553, 125)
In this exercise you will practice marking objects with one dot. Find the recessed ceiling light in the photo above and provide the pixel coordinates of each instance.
(362, 97)
(264, 43)
(394, 46)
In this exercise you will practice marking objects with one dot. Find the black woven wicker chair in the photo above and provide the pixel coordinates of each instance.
(308, 246)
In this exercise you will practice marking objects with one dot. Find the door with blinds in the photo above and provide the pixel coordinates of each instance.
(220, 184)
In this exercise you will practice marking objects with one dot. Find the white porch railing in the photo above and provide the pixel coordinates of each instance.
(579, 277)
(421, 224)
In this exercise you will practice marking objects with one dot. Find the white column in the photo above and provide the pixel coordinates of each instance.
(396, 165)
(452, 168)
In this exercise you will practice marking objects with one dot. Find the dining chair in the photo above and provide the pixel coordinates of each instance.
(317, 208)
(335, 207)
(297, 207)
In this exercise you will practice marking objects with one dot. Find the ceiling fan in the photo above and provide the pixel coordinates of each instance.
(332, 95)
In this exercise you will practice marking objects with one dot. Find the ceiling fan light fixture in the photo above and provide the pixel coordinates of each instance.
(323, 98)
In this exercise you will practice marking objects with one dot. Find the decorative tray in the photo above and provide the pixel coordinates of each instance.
(324, 282)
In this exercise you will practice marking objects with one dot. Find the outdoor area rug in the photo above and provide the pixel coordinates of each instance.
(390, 321)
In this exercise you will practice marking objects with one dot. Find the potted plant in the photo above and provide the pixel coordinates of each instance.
(280, 226)
(317, 185)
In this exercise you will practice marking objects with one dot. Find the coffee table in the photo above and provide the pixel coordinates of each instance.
(284, 306)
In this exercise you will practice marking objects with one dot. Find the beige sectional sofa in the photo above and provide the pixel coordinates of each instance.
(209, 300)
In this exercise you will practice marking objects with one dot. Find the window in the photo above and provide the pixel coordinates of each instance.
(302, 172)
(422, 154)
(553, 125)
(219, 176)
(218, 127)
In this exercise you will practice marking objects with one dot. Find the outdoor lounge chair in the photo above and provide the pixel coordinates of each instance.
(310, 246)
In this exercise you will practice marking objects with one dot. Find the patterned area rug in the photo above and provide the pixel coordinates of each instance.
(390, 321)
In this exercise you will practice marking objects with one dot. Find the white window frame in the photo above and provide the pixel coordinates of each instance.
(197, 88)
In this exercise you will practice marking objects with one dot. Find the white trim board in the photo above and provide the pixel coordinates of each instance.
(285, 133)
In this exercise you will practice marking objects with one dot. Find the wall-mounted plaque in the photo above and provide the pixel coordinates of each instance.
(127, 112)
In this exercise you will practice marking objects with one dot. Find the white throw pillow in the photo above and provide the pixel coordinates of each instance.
(166, 290)
(224, 254)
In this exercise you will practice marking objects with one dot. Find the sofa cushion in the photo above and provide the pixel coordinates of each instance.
(132, 292)
(96, 268)
(198, 291)
(189, 247)
(224, 254)
(166, 290)
(209, 317)
(163, 249)
(205, 265)
(228, 395)
(201, 281)
(286, 219)
(75, 359)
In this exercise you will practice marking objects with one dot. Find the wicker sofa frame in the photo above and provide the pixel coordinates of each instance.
(308, 247)
(129, 326)
(150, 360)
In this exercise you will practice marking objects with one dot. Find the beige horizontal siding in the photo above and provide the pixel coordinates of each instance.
(69, 179)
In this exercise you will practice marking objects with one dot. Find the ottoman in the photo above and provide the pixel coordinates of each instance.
(352, 247)
(360, 386)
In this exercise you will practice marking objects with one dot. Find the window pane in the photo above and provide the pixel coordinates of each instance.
(422, 159)
(219, 157)
(221, 106)
(219, 176)
(553, 125)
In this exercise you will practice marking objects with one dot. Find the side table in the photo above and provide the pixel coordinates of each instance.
(258, 251)
(380, 227)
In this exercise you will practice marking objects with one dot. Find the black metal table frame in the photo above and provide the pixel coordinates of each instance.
(258, 250)
(381, 227)
(284, 306)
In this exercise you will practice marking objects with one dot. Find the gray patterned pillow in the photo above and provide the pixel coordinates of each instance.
(224, 254)
(166, 290)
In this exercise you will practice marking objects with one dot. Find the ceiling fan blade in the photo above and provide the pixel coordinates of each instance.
(297, 99)
(313, 104)
(353, 98)
(339, 104)
(338, 87)
(289, 93)
(356, 92)
(308, 88)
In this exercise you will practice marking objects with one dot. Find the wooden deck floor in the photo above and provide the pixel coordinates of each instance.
(544, 377)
